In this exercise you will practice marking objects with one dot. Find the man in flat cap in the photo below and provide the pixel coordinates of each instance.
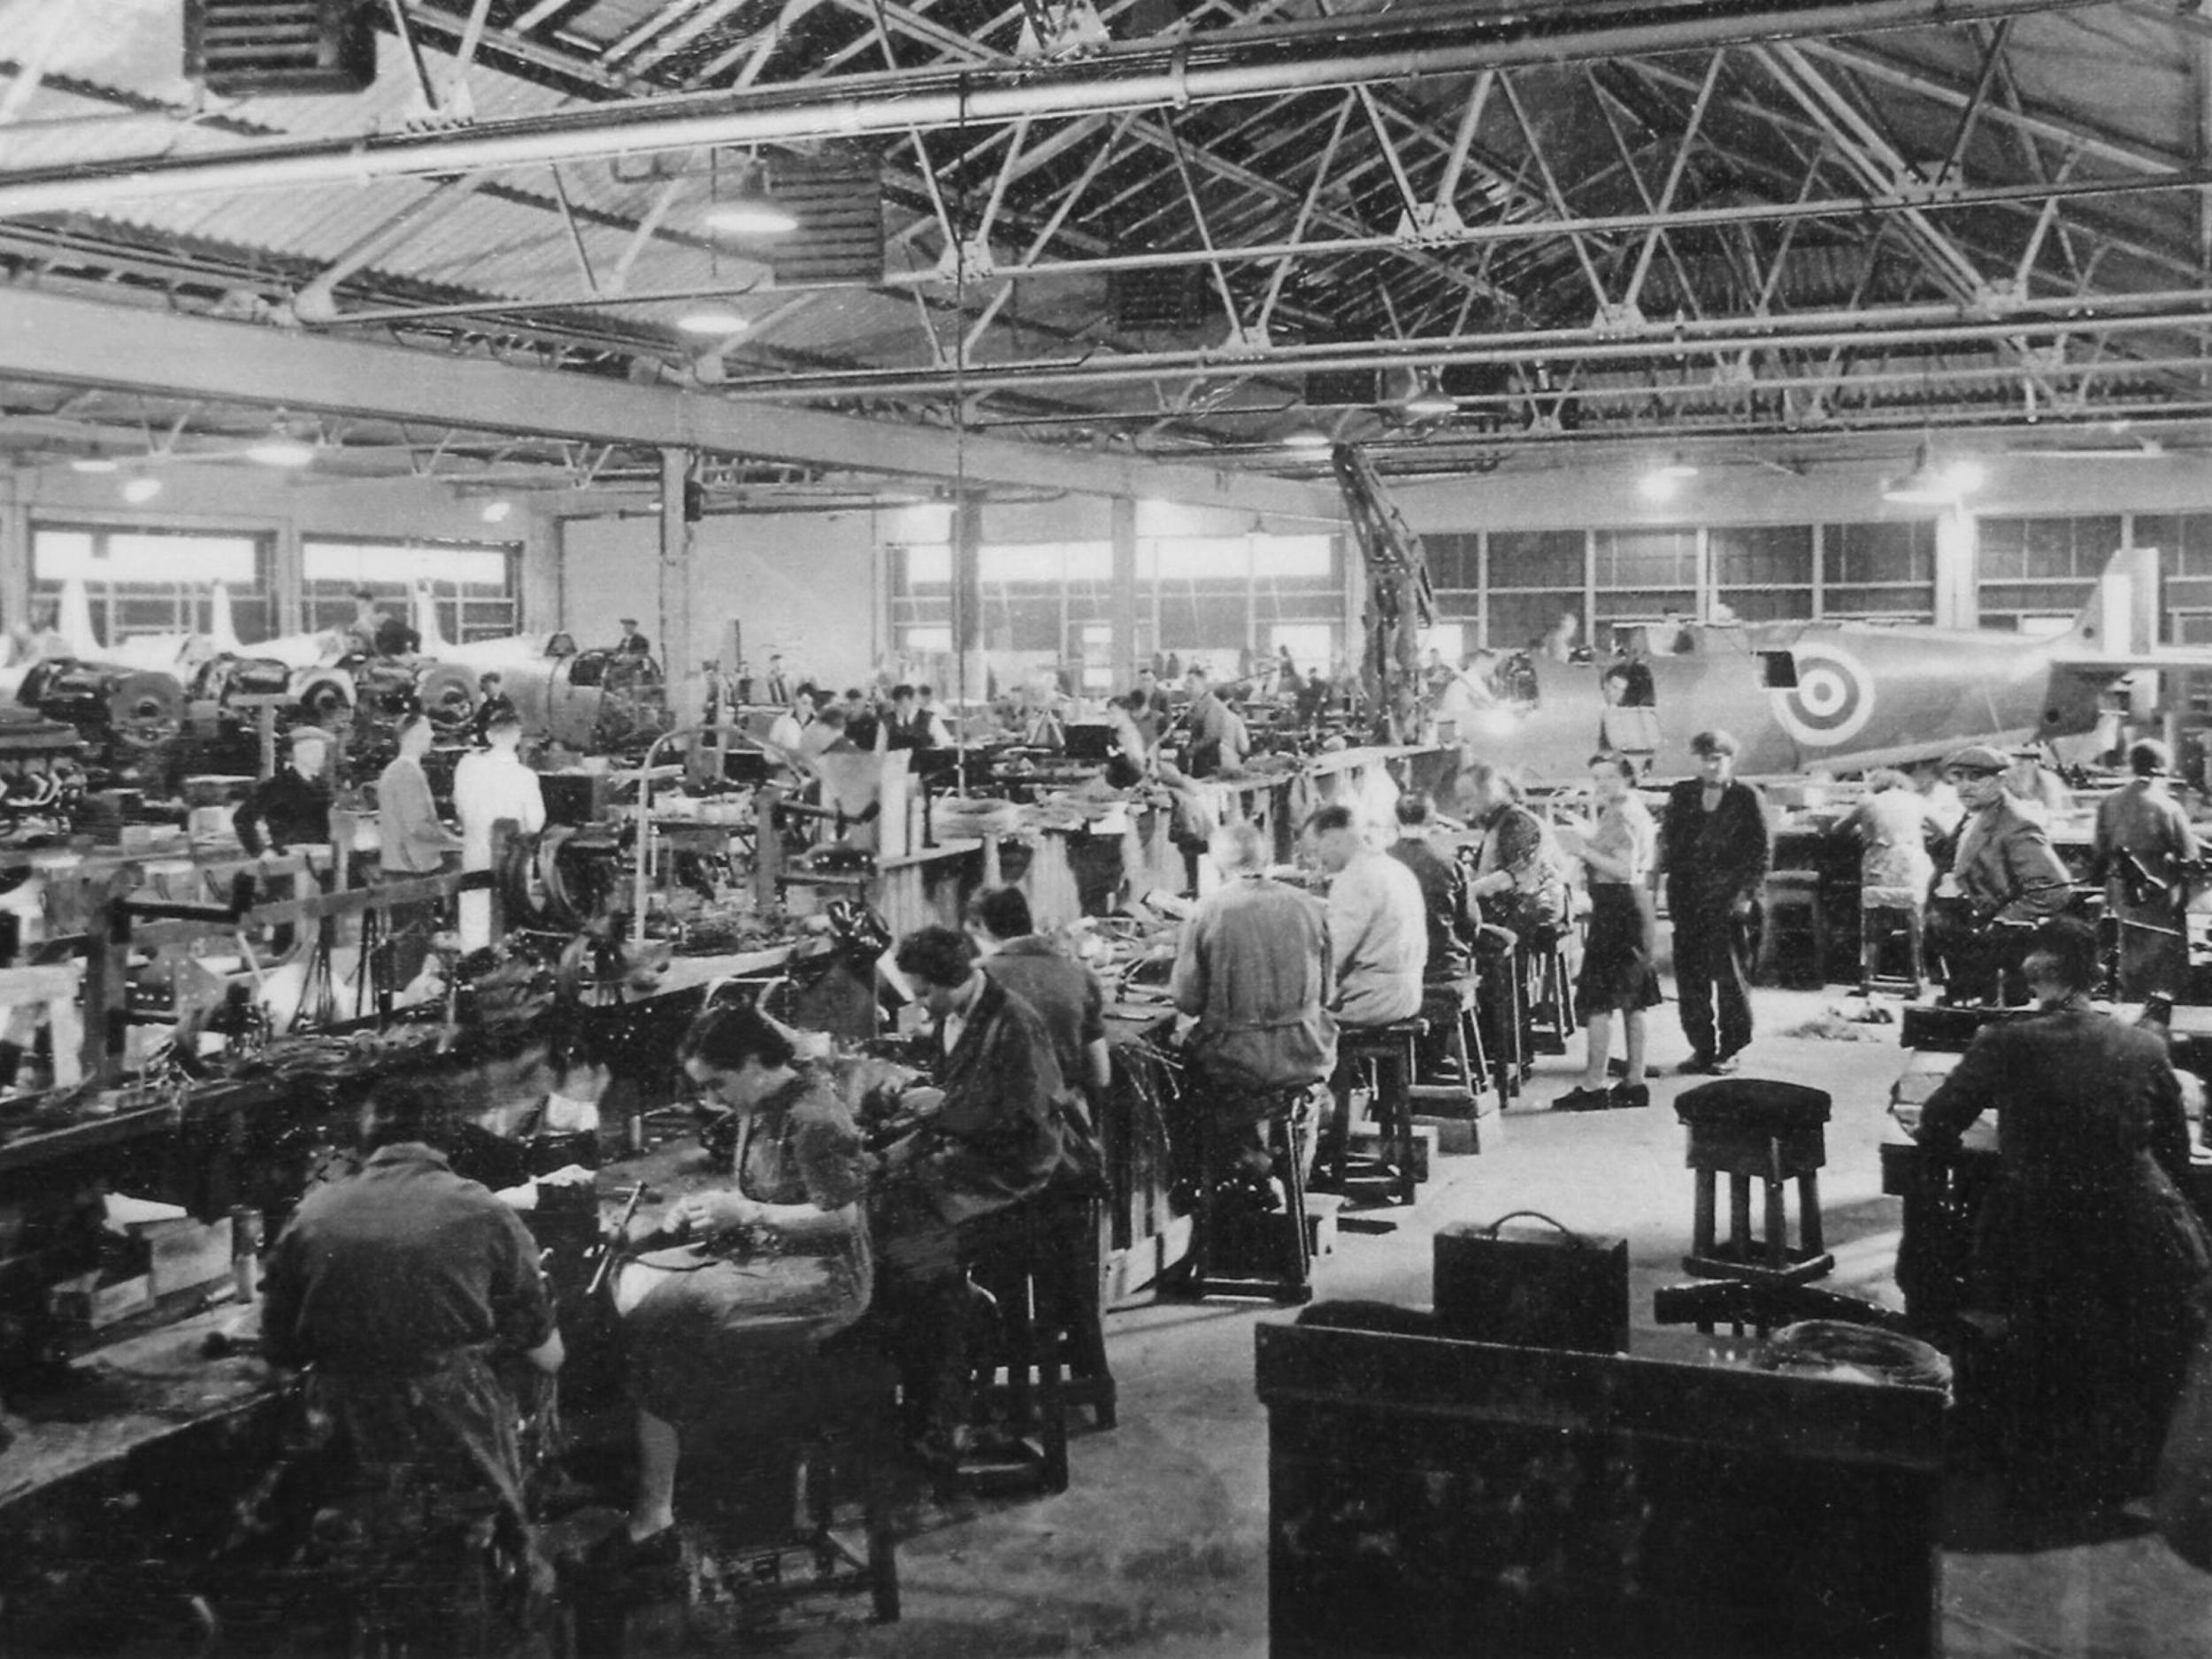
(2004, 879)
(292, 808)
(2142, 836)
(632, 642)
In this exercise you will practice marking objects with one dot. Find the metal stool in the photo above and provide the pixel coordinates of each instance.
(1793, 913)
(1752, 1129)
(1385, 1056)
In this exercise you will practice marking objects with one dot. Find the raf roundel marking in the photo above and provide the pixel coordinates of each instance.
(1833, 698)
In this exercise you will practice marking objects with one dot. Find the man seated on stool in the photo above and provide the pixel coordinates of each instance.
(2004, 879)
(401, 1285)
(1378, 934)
(1454, 922)
(1067, 994)
(995, 1138)
(1252, 970)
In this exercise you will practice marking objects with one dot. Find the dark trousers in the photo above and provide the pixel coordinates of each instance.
(408, 929)
(1712, 962)
(1977, 962)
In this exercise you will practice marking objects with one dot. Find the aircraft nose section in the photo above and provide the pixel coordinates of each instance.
(145, 699)
(448, 693)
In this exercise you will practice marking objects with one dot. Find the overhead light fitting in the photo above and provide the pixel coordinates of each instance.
(281, 450)
(141, 489)
(712, 322)
(750, 211)
(496, 512)
(1430, 400)
(1933, 485)
(95, 464)
(1663, 482)
(1307, 438)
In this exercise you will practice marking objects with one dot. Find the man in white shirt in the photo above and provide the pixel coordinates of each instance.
(491, 784)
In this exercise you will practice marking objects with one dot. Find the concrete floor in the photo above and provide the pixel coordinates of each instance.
(1159, 1547)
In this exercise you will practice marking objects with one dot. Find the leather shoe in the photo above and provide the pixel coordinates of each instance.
(1698, 1065)
(1582, 1100)
(1625, 1096)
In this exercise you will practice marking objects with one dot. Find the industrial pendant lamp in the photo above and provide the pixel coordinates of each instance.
(1931, 483)
(281, 448)
(1429, 400)
(1665, 481)
(750, 209)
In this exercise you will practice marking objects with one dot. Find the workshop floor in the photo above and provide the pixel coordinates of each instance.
(1159, 1546)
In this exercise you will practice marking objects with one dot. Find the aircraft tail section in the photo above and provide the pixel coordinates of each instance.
(222, 628)
(425, 622)
(2120, 619)
(74, 620)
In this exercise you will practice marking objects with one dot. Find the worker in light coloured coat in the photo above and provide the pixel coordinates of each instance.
(489, 784)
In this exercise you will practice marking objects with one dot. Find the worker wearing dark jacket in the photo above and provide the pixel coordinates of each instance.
(293, 808)
(2089, 1265)
(1713, 849)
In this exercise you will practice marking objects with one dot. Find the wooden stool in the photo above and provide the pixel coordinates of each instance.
(1880, 925)
(1215, 1258)
(1793, 911)
(1449, 1006)
(1022, 1372)
(1385, 1056)
(1549, 991)
(835, 1536)
(1751, 1129)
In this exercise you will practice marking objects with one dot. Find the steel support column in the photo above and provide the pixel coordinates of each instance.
(674, 572)
(1122, 603)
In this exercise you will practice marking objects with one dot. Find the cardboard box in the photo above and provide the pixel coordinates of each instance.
(186, 1254)
(85, 1301)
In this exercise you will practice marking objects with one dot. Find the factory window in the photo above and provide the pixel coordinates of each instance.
(153, 582)
(1196, 594)
(1311, 644)
(472, 584)
(1763, 573)
(1535, 577)
(2028, 570)
(1643, 575)
(2184, 542)
(1883, 572)
(1454, 561)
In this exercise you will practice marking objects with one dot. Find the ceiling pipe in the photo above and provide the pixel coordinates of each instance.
(1561, 346)
(1324, 54)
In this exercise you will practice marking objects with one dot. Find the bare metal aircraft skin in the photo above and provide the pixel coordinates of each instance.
(1834, 696)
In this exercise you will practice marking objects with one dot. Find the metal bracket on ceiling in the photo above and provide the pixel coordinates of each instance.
(2045, 360)
(1800, 408)
(1246, 342)
(1912, 185)
(1734, 373)
(1430, 222)
(1058, 30)
(1999, 296)
(1614, 321)
(966, 261)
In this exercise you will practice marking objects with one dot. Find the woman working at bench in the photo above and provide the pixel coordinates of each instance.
(724, 1333)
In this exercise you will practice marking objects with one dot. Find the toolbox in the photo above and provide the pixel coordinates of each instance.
(1537, 1285)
